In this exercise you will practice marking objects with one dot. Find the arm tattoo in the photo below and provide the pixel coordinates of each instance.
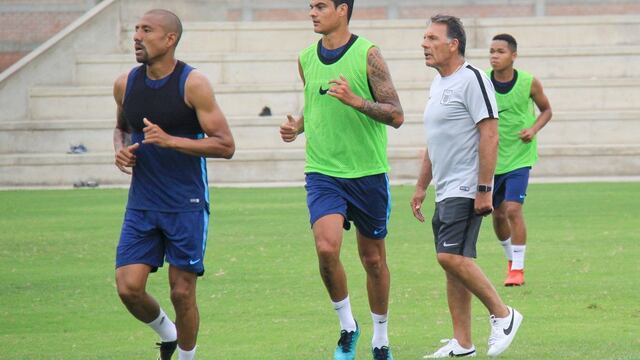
(121, 134)
(387, 107)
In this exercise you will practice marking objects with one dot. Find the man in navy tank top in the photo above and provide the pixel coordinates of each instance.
(168, 123)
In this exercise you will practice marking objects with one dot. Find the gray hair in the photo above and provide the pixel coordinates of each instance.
(455, 29)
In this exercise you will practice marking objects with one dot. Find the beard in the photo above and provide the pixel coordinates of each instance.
(143, 58)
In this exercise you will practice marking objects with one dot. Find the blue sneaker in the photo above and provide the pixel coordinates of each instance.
(382, 353)
(346, 349)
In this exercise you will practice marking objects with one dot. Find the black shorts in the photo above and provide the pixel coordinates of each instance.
(456, 227)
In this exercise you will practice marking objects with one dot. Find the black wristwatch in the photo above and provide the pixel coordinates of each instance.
(484, 188)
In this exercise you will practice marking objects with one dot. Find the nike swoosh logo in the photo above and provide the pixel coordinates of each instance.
(323, 91)
(192, 262)
(382, 322)
(507, 331)
(377, 232)
(503, 110)
(449, 245)
(452, 354)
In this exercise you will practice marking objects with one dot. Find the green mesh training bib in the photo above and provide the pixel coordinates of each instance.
(341, 141)
(516, 112)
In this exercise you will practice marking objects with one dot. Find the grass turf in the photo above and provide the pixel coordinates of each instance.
(262, 297)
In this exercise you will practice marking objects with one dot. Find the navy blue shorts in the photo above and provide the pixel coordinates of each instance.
(366, 201)
(511, 186)
(148, 237)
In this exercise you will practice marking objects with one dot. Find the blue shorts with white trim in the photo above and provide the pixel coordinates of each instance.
(150, 237)
(366, 201)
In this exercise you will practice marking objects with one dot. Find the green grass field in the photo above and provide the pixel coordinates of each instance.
(262, 297)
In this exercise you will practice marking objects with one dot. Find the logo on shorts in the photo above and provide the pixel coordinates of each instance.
(194, 201)
(449, 245)
(464, 188)
(377, 232)
(193, 262)
(522, 196)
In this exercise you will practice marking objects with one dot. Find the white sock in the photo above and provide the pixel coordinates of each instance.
(164, 327)
(343, 308)
(506, 246)
(518, 257)
(380, 337)
(187, 355)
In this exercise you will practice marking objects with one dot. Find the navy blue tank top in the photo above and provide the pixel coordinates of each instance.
(164, 179)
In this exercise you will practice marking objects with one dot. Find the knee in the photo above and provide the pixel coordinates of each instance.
(327, 252)
(182, 295)
(514, 213)
(130, 293)
(373, 263)
(448, 261)
(499, 215)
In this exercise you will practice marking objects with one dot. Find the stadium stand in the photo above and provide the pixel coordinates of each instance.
(60, 94)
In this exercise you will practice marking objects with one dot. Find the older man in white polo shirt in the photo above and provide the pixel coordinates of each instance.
(462, 138)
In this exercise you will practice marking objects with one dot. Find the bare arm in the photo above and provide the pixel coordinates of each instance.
(121, 133)
(386, 109)
(219, 142)
(424, 179)
(125, 158)
(542, 102)
(290, 129)
(426, 175)
(300, 121)
(488, 153)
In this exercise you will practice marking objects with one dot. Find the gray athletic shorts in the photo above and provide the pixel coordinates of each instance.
(456, 227)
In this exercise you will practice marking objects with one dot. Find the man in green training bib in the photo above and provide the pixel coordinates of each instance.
(516, 93)
(349, 100)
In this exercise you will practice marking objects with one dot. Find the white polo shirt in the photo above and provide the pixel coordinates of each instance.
(457, 103)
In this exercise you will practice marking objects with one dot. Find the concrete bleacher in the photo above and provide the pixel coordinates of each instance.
(24, 24)
(586, 65)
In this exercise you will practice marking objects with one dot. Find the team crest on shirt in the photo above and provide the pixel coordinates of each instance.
(447, 94)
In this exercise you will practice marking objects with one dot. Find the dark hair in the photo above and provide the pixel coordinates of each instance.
(173, 22)
(511, 41)
(349, 4)
(455, 30)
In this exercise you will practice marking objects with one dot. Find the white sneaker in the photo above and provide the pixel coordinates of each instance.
(503, 330)
(452, 349)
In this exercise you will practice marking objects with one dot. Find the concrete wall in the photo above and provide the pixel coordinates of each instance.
(54, 61)
(62, 95)
(266, 10)
(96, 32)
(25, 24)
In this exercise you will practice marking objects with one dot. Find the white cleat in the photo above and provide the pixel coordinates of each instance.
(503, 331)
(451, 349)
